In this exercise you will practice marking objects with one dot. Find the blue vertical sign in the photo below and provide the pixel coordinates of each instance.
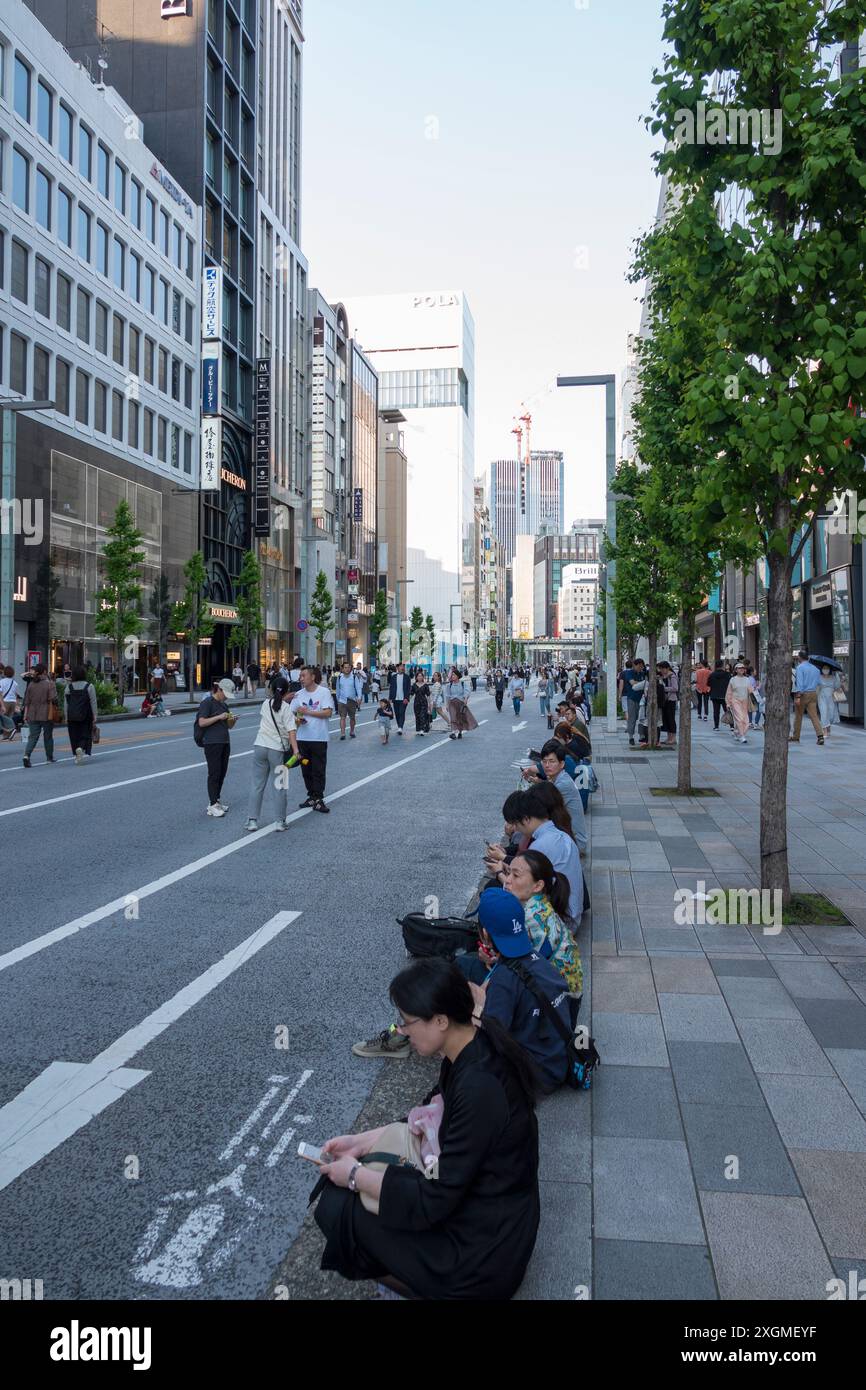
(210, 385)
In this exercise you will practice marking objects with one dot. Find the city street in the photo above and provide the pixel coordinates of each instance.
(179, 998)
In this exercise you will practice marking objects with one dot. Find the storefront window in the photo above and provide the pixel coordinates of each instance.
(841, 606)
(111, 492)
(797, 621)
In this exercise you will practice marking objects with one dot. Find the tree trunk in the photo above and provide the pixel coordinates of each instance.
(684, 736)
(652, 717)
(774, 769)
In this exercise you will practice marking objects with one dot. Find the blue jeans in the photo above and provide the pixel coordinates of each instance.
(544, 702)
(516, 703)
(44, 727)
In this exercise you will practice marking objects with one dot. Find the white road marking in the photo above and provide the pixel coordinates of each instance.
(40, 943)
(66, 1095)
(111, 786)
(522, 725)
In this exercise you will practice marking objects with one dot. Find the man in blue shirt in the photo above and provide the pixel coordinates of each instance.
(350, 688)
(631, 685)
(807, 680)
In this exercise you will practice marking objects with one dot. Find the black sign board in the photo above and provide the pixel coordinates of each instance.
(262, 458)
(358, 504)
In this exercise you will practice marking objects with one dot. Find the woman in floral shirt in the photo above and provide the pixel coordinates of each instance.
(544, 894)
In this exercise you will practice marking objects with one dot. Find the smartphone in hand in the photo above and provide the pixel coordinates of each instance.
(312, 1154)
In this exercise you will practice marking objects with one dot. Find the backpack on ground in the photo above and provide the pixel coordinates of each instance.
(438, 936)
(581, 1062)
(78, 709)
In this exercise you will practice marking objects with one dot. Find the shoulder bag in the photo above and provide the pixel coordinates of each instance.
(397, 1146)
(580, 1061)
(287, 752)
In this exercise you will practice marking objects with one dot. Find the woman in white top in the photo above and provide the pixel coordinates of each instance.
(275, 740)
(737, 701)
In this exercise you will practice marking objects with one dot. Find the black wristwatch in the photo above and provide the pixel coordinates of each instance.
(352, 1184)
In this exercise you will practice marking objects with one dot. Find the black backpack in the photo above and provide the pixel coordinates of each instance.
(438, 936)
(580, 1061)
(78, 709)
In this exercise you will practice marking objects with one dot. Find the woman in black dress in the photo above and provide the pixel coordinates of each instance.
(421, 704)
(469, 1233)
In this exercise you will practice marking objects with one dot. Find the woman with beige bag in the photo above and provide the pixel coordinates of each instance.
(460, 1223)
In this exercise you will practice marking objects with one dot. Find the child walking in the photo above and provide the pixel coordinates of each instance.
(384, 717)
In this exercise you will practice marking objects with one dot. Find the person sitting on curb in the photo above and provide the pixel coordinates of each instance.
(533, 815)
(552, 768)
(530, 877)
(468, 1232)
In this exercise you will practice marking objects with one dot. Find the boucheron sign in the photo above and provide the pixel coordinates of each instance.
(169, 9)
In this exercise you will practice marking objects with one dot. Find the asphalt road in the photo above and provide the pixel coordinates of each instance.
(178, 998)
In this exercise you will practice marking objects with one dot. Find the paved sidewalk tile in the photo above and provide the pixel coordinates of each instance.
(836, 1022)
(565, 1137)
(722, 1136)
(632, 993)
(644, 1191)
(757, 998)
(683, 975)
(835, 1186)
(714, 1072)
(783, 1045)
(632, 1270)
(740, 965)
(630, 1039)
(637, 1103)
(815, 1112)
(765, 1247)
(696, 1018)
(619, 965)
(671, 939)
(850, 1063)
(812, 979)
(562, 1260)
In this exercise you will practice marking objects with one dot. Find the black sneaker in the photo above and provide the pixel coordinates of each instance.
(320, 806)
(26, 759)
(388, 1043)
(302, 804)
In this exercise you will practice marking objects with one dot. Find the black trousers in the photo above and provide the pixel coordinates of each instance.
(80, 734)
(718, 706)
(703, 703)
(217, 755)
(316, 770)
(499, 696)
(400, 712)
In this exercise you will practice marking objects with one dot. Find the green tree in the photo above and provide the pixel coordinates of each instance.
(779, 289)
(321, 612)
(191, 614)
(417, 633)
(118, 601)
(378, 622)
(160, 608)
(491, 651)
(249, 607)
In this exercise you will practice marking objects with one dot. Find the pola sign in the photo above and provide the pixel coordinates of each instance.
(170, 9)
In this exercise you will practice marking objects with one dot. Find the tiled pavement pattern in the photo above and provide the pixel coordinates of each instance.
(725, 1050)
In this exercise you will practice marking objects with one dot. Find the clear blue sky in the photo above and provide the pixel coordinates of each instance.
(528, 200)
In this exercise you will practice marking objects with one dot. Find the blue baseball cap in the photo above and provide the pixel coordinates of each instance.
(501, 914)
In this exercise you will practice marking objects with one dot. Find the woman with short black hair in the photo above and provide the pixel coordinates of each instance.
(80, 701)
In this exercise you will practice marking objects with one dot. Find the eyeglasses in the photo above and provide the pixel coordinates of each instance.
(408, 1023)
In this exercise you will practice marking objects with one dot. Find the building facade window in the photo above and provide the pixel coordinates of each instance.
(82, 397)
(41, 369)
(84, 226)
(61, 385)
(64, 132)
(116, 415)
(18, 363)
(148, 433)
(103, 163)
(120, 188)
(101, 335)
(20, 180)
(118, 339)
(45, 112)
(21, 273)
(64, 301)
(85, 152)
(100, 407)
(82, 315)
(22, 89)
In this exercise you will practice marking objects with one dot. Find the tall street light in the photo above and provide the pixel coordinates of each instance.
(397, 583)
(9, 408)
(609, 384)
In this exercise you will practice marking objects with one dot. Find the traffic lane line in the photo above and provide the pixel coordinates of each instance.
(99, 914)
(66, 1096)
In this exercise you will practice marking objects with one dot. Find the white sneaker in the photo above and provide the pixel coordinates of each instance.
(223, 804)
(79, 756)
(281, 825)
(251, 824)
(742, 739)
(215, 810)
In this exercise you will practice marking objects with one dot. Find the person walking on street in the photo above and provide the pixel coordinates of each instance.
(80, 714)
(737, 701)
(312, 708)
(157, 678)
(365, 675)
(460, 716)
(807, 683)
(421, 705)
(546, 694)
(631, 686)
(275, 739)
(828, 705)
(237, 677)
(668, 711)
(40, 701)
(254, 672)
(350, 689)
(719, 681)
(517, 690)
(214, 721)
(500, 684)
(437, 699)
(702, 686)
(399, 690)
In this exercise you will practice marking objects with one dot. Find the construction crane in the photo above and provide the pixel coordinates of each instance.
(525, 420)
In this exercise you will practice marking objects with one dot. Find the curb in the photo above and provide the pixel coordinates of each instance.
(175, 709)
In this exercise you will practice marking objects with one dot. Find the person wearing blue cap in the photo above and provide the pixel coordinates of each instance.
(503, 995)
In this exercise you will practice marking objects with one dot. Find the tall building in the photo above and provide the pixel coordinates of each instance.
(391, 513)
(363, 569)
(423, 349)
(527, 501)
(488, 598)
(99, 313)
(577, 606)
(581, 546)
(201, 76)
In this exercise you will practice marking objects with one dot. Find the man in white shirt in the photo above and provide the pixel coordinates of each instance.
(350, 688)
(312, 707)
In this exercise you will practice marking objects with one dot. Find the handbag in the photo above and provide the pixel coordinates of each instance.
(287, 752)
(840, 697)
(398, 1147)
(97, 733)
(54, 714)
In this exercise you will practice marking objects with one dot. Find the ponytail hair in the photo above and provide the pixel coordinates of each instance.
(556, 887)
(430, 985)
(544, 800)
(280, 688)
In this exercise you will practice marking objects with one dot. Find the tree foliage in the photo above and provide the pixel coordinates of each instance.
(118, 600)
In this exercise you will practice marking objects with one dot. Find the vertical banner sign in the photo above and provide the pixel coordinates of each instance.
(262, 481)
(358, 504)
(210, 380)
(212, 302)
(211, 453)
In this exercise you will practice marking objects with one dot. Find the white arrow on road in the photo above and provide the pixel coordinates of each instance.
(66, 1095)
(521, 725)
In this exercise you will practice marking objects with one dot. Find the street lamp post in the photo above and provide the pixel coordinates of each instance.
(397, 583)
(8, 411)
(609, 384)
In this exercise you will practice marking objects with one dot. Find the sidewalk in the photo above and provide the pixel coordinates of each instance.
(722, 1150)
